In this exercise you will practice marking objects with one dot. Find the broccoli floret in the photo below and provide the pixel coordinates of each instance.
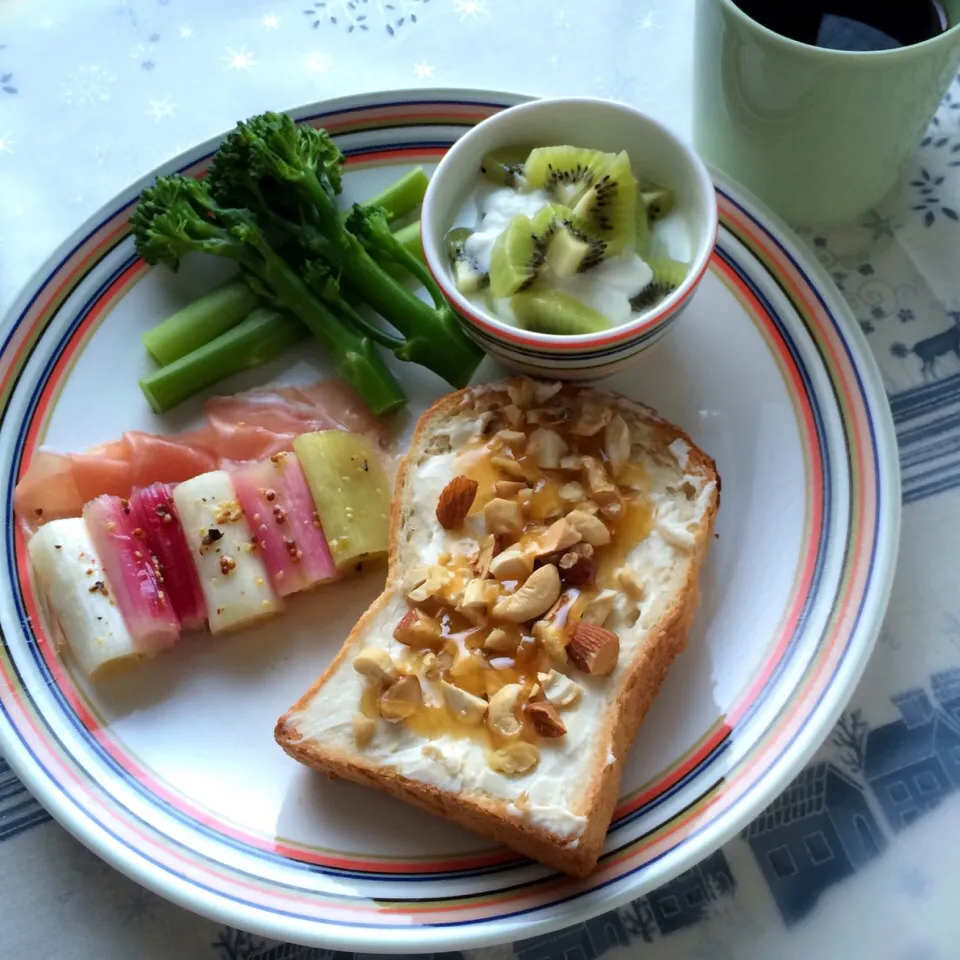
(289, 176)
(177, 216)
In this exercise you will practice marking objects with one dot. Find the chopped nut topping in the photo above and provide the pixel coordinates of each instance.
(631, 583)
(545, 719)
(501, 641)
(401, 699)
(552, 638)
(600, 607)
(537, 595)
(591, 529)
(512, 564)
(594, 649)
(502, 710)
(547, 447)
(559, 689)
(514, 758)
(363, 729)
(508, 488)
(455, 502)
(578, 568)
(503, 517)
(417, 630)
(560, 535)
(512, 468)
(375, 664)
(463, 705)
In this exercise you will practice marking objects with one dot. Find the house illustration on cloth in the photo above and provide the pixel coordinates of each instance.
(677, 904)
(582, 941)
(683, 901)
(912, 763)
(815, 834)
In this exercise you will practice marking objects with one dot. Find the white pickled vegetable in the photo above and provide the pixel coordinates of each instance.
(232, 575)
(79, 595)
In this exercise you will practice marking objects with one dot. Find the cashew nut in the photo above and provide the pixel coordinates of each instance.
(616, 442)
(553, 640)
(375, 664)
(502, 710)
(559, 689)
(559, 536)
(542, 392)
(501, 641)
(598, 483)
(401, 699)
(363, 729)
(512, 468)
(512, 564)
(547, 447)
(534, 598)
(464, 706)
(515, 758)
(520, 391)
(600, 607)
(592, 420)
(509, 438)
(590, 528)
(503, 517)
(572, 492)
(477, 597)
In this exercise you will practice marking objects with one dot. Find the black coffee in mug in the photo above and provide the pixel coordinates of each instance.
(851, 24)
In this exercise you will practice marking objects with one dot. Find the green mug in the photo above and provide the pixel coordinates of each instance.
(819, 134)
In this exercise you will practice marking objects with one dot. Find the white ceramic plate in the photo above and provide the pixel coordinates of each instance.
(172, 775)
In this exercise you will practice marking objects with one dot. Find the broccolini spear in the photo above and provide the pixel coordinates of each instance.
(177, 216)
(289, 176)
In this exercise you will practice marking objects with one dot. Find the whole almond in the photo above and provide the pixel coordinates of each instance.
(545, 719)
(455, 502)
(594, 649)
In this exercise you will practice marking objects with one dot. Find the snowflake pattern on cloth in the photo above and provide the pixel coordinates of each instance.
(121, 86)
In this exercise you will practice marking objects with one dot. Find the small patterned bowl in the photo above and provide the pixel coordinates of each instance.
(583, 122)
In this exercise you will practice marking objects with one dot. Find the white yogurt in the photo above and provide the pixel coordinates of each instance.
(607, 288)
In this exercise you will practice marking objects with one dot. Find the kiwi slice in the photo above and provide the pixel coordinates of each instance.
(505, 166)
(668, 272)
(467, 275)
(643, 232)
(550, 311)
(659, 201)
(608, 210)
(567, 249)
(667, 276)
(517, 255)
(565, 172)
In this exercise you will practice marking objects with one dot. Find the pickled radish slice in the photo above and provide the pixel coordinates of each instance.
(156, 514)
(283, 517)
(134, 572)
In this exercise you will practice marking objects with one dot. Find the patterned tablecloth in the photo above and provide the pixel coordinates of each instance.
(861, 855)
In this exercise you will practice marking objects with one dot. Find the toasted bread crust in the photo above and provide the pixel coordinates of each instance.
(640, 684)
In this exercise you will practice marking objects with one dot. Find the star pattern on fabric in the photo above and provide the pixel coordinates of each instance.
(239, 60)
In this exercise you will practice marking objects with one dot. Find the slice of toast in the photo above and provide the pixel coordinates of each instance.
(527, 757)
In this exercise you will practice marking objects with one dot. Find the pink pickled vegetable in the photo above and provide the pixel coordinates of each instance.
(155, 513)
(133, 572)
(281, 513)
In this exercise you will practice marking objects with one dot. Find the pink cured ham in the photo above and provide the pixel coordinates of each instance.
(279, 508)
(155, 513)
(248, 426)
(133, 573)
